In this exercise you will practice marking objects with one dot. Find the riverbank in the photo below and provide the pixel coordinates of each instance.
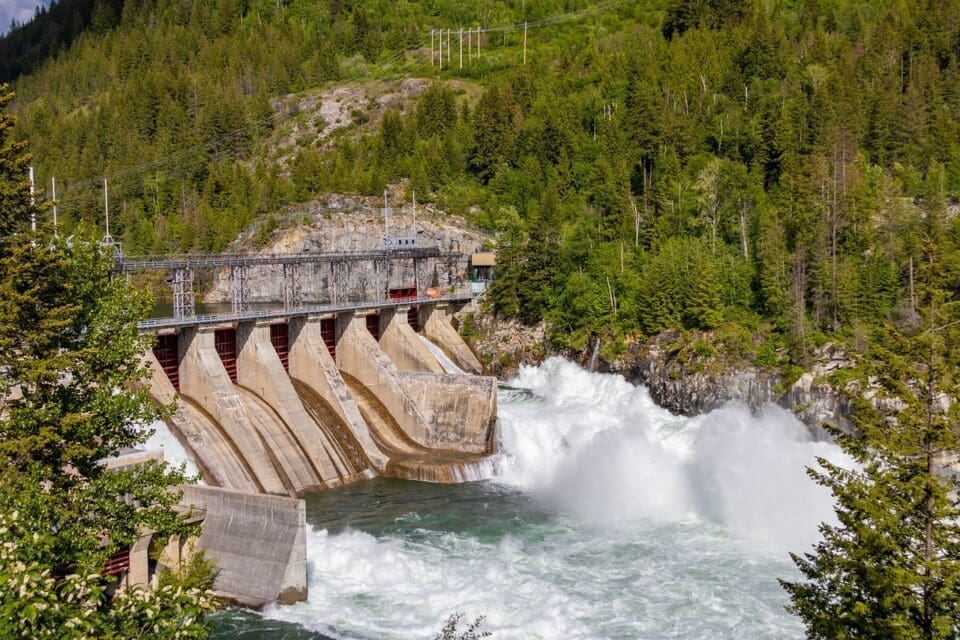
(687, 373)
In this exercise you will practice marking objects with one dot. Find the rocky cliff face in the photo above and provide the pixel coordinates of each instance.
(340, 224)
(678, 377)
(687, 383)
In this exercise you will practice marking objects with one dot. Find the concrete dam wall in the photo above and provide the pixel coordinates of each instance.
(272, 410)
(285, 408)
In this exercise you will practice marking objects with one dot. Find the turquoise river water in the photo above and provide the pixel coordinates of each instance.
(601, 516)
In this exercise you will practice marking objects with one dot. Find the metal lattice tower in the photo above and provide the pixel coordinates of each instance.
(292, 286)
(183, 301)
(239, 293)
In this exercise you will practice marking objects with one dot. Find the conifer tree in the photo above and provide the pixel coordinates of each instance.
(891, 567)
(70, 355)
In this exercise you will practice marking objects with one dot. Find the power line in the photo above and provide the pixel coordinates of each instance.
(124, 180)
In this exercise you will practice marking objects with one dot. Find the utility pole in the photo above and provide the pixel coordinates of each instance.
(469, 44)
(441, 49)
(461, 48)
(33, 213)
(386, 219)
(53, 182)
(414, 218)
(524, 42)
(107, 240)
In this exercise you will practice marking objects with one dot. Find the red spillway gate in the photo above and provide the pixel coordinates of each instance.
(328, 331)
(225, 341)
(168, 355)
(280, 338)
(402, 293)
(413, 318)
(373, 325)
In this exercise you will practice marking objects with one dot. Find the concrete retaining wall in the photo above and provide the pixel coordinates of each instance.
(204, 379)
(311, 363)
(403, 345)
(439, 330)
(257, 542)
(309, 460)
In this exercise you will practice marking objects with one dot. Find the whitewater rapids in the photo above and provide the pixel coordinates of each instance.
(605, 517)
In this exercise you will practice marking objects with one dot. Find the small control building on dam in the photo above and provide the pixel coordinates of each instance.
(274, 403)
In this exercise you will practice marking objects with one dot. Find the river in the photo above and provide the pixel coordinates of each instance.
(605, 517)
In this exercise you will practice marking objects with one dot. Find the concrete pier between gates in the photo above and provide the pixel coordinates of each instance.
(312, 364)
(219, 462)
(260, 371)
(204, 379)
(435, 410)
(405, 348)
(438, 330)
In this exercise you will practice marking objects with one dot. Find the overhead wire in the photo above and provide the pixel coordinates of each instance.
(121, 181)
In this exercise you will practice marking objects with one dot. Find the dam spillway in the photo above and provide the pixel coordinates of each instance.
(275, 403)
(306, 403)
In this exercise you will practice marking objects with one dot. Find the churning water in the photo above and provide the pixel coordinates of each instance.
(605, 517)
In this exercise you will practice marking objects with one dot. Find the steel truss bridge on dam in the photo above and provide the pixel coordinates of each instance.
(444, 271)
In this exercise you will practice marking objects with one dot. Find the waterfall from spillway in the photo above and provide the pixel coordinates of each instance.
(448, 365)
(605, 517)
(173, 451)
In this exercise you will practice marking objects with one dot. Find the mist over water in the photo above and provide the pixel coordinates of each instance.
(605, 517)
(599, 447)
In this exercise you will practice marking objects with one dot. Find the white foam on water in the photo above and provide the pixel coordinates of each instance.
(599, 447)
(448, 365)
(667, 527)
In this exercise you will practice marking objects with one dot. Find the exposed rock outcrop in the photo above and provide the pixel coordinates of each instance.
(689, 383)
(342, 224)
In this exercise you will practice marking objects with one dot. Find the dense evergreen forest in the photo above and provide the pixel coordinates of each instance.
(772, 170)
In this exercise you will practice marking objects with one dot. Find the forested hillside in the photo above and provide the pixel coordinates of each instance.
(767, 169)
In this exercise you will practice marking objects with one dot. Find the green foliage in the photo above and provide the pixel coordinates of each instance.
(891, 567)
(681, 287)
(39, 601)
(71, 394)
(711, 162)
(450, 630)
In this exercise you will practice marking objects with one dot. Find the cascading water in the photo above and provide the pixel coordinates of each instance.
(173, 451)
(448, 365)
(606, 517)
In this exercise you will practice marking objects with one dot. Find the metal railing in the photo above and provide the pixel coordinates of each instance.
(127, 264)
(154, 324)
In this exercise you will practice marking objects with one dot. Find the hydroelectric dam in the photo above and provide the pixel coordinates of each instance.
(272, 403)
